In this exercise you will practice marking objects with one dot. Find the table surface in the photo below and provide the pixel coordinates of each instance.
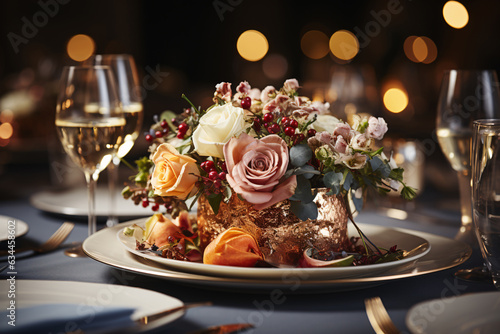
(339, 312)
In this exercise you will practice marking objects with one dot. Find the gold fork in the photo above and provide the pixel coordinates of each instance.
(379, 318)
(52, 243)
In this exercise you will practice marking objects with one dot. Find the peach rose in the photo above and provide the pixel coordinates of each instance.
(174, 174)
(255, 168)
(233, 247)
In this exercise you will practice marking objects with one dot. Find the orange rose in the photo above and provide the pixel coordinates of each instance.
(174, 174)
(233, 247)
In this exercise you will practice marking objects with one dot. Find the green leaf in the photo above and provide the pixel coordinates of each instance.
(358, 202)
(332, 180)
(214, 201)
(307, 171)
(168, 115)
(303, 191)
(408, 193)
(304, 211)
(397, 174)
(300, 155)
(348, 181)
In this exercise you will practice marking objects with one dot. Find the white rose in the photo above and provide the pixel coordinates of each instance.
(216, 127)
(326, 123)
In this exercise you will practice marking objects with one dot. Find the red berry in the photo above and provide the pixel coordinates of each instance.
(213, 175)
(145, 203)
(155, 207)
(246, 103)
(294, 123)
(175, 122)
(208, 166)
(164, 124)
(149, 138)
(222, 175)
(158, 134)
(311, 133)
(298, 138)
(180, 135)
(289, 131)
(285, 122)
(183, 128)
(273, 128)
(256, 124)
(268, 117)
(222, 165)
(165, 131)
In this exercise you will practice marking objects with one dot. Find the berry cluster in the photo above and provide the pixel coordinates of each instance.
(215, 176)
(286, 127)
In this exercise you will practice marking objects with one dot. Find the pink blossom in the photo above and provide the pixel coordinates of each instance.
(322, 108)
(243, 87)
(376, 128)
(271, 106)
(267, 93)
(291, 85)
(353, 161)
(254, 93)
(255, 168)
(324, 137)
(340, 145)
(223, 91)
(344, 130)
(360, 142)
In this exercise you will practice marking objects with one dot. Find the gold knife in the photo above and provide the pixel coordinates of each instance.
(153, 317)
(224, 329)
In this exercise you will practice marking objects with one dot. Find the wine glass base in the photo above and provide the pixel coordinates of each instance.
(477, 274)
(76, 251)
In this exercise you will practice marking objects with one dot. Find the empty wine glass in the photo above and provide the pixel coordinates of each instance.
(125, 74)
(90, 124)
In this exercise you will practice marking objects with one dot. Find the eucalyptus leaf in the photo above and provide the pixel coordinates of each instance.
(300, 155)
(358, 202)
(303, 191)
(307, 171)
(332, 179)
(348, 181)
(304, 211)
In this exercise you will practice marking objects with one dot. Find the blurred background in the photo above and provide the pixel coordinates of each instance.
(382, 58)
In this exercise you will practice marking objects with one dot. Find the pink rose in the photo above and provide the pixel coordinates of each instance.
(255, 167)
(243, 87)
(376, 127)
(223, 91)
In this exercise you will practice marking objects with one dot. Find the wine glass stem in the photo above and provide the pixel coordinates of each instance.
(91, 181)
(113, 180)
(464, 182)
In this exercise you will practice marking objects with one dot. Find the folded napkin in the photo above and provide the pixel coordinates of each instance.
(63, 318)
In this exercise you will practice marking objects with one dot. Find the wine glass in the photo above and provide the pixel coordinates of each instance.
(125, 74)
(89, 122)
(466, 95)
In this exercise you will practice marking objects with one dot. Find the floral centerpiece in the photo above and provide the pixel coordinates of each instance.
(257, 150)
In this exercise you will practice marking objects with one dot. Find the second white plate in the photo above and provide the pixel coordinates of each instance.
(381, 236)
(12, 226)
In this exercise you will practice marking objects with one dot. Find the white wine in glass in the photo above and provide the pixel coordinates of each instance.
(465, 96)
(90, 123)
(126, 78)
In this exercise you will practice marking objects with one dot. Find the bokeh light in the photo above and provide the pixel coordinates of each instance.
(80, 47)
(314, 44)
(395, 100)
(6, 131)
(252, 45)
(275, 66)
(420, 49)
(455, 14)
(344, 45)
(6, 116)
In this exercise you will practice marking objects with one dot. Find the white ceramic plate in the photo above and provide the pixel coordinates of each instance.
(145, 302)
(104, 247)
(73, 202)
(8, 223)
(469, 313)
(380, 236)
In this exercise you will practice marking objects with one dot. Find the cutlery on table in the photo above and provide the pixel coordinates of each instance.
(224, 329)
(52, 243)
(153, 317)
(379, 318)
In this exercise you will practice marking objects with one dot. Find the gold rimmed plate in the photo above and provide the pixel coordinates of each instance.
(445, 253)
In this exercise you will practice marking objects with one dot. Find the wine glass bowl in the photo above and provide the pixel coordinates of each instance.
(90, 123)
(465, 96)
